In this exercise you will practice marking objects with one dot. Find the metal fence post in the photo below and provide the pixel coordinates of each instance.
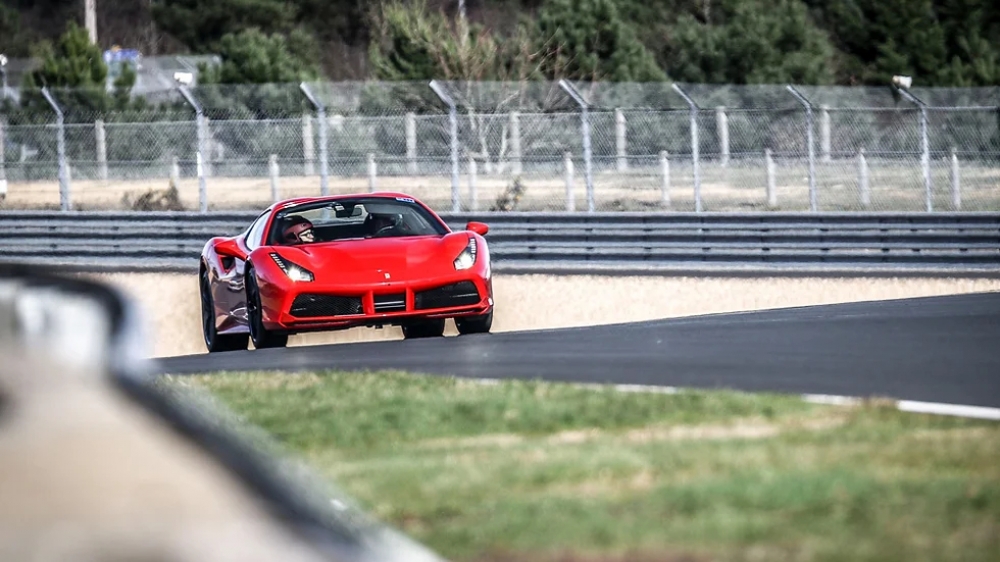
(324, 170)
(3, 171)
(210, 152)
(772, 194)
(515, 142)
(665, 184)
(274, 172)
(811, 147)
(65, 203)
(588, 175)
(824, 133)
(175, 172)
(925, 153)
(925, 159)
(473, 196)
(722, 129)
(200, 156)
(568, 175)
(372, 173)
(410, 125)
(866, 194)
(620, 140)
(308, 146)
(453, 126)
(102, 149)
(695, 148)
(956, 182)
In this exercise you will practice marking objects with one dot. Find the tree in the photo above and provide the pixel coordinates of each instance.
(589, 40)
(74, 62)
(340, 26)
(252, 57)
(74, 67)
(749, 43)
(202, 24)
(257, 81)
(75, 73)
(409, 42)
(13, 39)
(938, 42)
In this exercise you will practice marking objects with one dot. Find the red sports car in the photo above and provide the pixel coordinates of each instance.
(337, 262)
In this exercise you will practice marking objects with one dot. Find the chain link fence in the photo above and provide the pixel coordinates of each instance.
(538, 146)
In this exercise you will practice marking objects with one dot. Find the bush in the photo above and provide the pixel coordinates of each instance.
(511, 196)
(155, 200)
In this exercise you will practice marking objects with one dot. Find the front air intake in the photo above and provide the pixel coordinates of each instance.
(314, 306)
(457, 294)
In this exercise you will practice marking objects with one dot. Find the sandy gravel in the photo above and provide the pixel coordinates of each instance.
(170, 301)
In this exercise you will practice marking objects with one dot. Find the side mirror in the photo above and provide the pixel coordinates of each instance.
(229, 249)
(478, 227)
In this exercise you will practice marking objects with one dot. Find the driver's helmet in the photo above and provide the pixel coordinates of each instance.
(379, 221)
(300, 231)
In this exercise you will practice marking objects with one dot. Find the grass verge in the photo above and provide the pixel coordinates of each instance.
(537, 471)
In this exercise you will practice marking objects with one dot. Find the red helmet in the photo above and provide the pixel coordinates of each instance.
(292, 233)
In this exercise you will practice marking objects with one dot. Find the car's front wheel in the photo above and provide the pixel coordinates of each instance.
(474, 324)
(424, 329)
(215, 341)
(261, 337)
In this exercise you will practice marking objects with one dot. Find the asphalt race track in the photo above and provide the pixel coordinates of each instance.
(937, 349)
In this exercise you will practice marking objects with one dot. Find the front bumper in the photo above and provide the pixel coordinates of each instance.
(303, 307)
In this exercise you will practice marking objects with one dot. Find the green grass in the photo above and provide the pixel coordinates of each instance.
(538, 471)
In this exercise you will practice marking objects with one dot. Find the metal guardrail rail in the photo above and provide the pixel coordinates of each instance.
(172, 241)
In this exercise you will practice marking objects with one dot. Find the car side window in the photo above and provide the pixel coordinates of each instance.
(253, 235)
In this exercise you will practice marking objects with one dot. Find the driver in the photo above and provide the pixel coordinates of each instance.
(378, 223)
(299, 231)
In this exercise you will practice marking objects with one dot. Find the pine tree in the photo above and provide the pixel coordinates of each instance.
(251, 57)
(589, 40)
(202, 24)
(749, 43)
(937, 42)
(74, 68)
(74, 62)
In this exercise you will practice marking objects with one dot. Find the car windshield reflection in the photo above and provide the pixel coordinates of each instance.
(356, 219)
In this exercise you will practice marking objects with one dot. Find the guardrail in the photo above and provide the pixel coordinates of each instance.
(172, 241)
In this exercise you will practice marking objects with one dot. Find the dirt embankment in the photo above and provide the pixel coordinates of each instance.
(524, 302)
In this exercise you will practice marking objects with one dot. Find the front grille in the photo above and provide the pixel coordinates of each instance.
(312, 306)
(390, 303)
(457, 294)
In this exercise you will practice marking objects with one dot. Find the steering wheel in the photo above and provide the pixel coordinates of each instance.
(384, 230)
(397, 225)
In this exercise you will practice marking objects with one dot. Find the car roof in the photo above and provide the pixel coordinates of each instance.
(304, 200)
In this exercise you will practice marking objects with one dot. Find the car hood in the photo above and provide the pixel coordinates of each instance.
(370, 259)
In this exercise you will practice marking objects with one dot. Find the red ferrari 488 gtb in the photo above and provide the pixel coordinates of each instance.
(337, 262)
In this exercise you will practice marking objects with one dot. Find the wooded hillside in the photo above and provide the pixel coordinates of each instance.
(938, 42)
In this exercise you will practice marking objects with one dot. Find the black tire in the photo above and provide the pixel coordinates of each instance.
(475, 324)
(214, 341)
(261, 337)
(424, 329)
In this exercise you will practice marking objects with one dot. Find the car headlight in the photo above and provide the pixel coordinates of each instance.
(293, 271)
(467, 258)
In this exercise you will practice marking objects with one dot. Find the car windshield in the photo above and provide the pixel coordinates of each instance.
(353, 219)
